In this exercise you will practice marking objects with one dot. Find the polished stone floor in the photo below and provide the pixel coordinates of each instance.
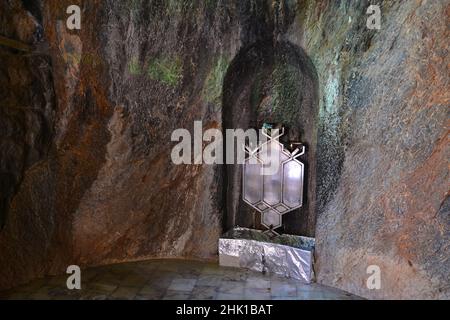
(174, 279)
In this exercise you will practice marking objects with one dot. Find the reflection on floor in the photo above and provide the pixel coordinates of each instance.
(174, 279)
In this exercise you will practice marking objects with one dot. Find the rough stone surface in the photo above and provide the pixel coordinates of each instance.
(85, 146)
(33, 238)
(382, 145)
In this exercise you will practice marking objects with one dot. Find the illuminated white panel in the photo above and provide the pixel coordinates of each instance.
(293, 184)
(254, 182)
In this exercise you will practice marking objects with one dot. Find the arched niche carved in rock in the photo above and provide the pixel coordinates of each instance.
(274, 83)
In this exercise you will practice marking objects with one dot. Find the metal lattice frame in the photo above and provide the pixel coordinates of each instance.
(287, 182)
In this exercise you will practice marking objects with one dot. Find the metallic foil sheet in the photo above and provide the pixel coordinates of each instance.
(283, 260)
(290, 240)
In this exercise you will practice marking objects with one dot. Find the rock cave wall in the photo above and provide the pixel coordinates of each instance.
(86, 125)
(382, 154)
(135, 71)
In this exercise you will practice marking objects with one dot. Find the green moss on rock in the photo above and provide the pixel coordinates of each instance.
(275, 93)
(166, 70)
(134, 67)
(212, 91)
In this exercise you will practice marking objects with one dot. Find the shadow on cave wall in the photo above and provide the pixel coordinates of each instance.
(272, 82)
(27, 99)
